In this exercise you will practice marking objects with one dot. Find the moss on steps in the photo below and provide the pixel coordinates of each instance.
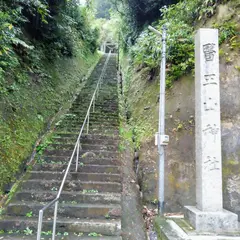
(25, 113)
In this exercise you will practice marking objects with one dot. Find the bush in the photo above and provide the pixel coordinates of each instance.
(54, 29)
(180, 20)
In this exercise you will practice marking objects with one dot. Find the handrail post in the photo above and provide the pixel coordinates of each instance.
(88, 122)
(94, 104)
(55, 220)
(40, 219)
(77, 157)
(97, 91)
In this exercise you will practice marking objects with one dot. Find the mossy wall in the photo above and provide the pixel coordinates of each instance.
(141, 92)
(26, 112)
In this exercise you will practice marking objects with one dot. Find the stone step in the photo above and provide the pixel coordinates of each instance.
(85, 147)
(88, 137)
(78, 124)
(66, 210)
(82, 153)
(104, 96)
(48, 196)
(97, 131)
(83, 113)
(107, 104)
(61, 237)
(83, 169)
(81, 186)
(97, 111)
(98, 106)
(97, 119)
(72, 140)
(73, 176)
(106, 133)
(92, 128)
(96, 115)
(85, 161)
(100, 226)
(112, 99)
(100, 123)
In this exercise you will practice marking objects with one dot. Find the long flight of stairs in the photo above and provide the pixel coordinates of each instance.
(90, 204)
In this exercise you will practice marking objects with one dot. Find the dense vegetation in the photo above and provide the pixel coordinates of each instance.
(102, 8)
(137, 13)
(140, 59)
(46, 47)
(52, 29)
(181, 20)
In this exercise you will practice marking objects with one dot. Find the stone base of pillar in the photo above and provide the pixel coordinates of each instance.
(178, 228)
(216, 222)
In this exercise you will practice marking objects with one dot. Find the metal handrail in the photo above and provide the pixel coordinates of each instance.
(75, 152)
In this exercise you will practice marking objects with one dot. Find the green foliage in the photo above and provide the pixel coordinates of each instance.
(48, 233)
(137, 13)
(45, 49)
(53, 29)
(180, 52)
(28, 231)
(89, 191)
(94, 234)
(43, 145)
(179, 19)
(29, 214)
(102, 8)
(227, 29)
(78, 234)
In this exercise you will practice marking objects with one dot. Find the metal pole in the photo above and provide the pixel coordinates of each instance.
(97, 92)
(40, 219)
(154, 30)
(161, 126)
(94, 104)
(77, 157)
(55, 221)
(118, 61)
(88, 123)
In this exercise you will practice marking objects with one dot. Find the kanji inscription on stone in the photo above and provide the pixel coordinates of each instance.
(210, 104)
(210, 79)
(209, 51)
(211, 164)
(212, 129)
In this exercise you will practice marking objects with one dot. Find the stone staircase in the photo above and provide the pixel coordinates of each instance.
(90, 204)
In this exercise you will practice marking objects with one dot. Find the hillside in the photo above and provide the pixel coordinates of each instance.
(141, 93)
(46, 50)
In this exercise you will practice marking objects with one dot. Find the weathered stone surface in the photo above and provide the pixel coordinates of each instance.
(209, 215)
(207, 118)
(179, 229)
(220, 221)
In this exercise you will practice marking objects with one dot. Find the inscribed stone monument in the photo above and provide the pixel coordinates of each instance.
(209, 214)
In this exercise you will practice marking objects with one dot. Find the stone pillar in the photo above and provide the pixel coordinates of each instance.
(209, 214)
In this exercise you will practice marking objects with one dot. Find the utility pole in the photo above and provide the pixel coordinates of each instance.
(161, 139)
